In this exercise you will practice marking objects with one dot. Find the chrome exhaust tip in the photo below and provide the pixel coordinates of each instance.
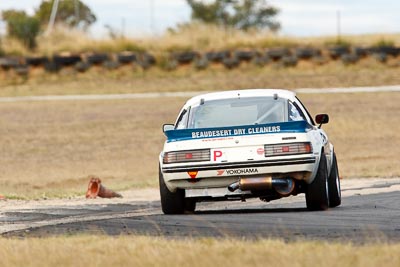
(284, 186)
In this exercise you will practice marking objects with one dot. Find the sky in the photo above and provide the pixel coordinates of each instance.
(298, 17)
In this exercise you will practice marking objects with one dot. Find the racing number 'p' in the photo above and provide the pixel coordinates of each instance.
(217, 154)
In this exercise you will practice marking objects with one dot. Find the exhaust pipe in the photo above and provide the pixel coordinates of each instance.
(283, 186)
(233, 187)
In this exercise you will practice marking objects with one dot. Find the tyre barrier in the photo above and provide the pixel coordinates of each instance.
(185, 57)
(349, 59)
(277, 53)
(279, 57)
(66, 60)
(36, 61)
(261, 60)
(380, 57)
(217, 57)
(150, 59)
(361, 52)
(126, 57)
(244, 55)
(8, 63)
(386, 49)
(231, 63)
(52, 67)
(96, 58)
(82, 66)
(111, 65)
(307, 53)
(289, 61)
(336, 52)
(145, 61)
(201, 63)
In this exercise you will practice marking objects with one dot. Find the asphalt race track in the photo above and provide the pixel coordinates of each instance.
(370, 211)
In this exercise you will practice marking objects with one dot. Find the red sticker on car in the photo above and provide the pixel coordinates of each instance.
(217, 154)
(260, 151)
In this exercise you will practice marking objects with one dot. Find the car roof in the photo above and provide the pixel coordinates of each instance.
(241, 93)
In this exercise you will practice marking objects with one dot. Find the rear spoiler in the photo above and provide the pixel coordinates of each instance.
(226, 132)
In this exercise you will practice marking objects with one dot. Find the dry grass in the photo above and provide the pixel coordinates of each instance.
(191, 37)
(364, 130)
(203, 37)
(146, 251)
(195, 36)
(49, 149)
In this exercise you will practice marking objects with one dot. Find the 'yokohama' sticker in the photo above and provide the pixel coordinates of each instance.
(238, 171)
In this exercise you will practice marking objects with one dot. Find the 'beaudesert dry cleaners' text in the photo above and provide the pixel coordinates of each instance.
(244, 131)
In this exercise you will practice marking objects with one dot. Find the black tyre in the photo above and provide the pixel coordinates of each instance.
(217, 56)
(244, 55)
(174, 202)
(190, 205)
(97, 59)
(277, 53)
(36, 61)
(82, 66)
(231, 63)
(289, 61)
(349, 59)
(52, 67)
(66, 60)
(336, 52)
(126, 57)
(317, 194)
(185, 57)
(201, 63)
(335, 195)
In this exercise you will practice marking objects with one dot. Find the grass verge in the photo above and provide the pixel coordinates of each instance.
(149, 251)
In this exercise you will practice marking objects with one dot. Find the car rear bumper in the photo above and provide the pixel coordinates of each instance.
(223, 174)
(238, 165)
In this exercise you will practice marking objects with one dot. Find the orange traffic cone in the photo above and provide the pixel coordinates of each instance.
(96, 189)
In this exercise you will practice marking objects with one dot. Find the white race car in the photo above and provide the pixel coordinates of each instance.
(240, 144)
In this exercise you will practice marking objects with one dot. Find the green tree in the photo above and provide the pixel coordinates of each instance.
(240, 14)
(22, 27)
(70, 12)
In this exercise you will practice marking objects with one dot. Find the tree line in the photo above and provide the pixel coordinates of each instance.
(26, 27)
(239, 14)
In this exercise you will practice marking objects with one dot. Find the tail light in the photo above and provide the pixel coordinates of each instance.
(288, 149)
(186, 156)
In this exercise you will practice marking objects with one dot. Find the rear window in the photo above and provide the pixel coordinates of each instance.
(238, 111)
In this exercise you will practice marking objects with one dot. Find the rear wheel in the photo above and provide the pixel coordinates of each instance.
(317, 194)
(335, 196)
(174, 202)
(190, 205)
